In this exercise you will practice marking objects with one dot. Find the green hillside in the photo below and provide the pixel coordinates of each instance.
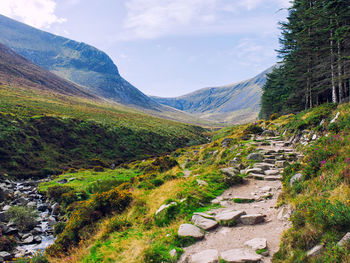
(75, 61)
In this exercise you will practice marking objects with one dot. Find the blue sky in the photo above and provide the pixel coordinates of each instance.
(167, 47)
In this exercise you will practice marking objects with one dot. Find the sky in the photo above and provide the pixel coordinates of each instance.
(167, 48)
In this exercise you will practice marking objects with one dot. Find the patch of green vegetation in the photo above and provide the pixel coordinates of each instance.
(242, 200)
(321, 199)
(261, 251)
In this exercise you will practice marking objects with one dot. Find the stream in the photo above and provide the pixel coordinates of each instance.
(38, 237)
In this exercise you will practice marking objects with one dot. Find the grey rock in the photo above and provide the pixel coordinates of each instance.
(316, 250)
(205, 256)
(43, 207)
(273, 178)
(202, 182)
(28, 240)
(6, 208)
(229, 217)
(164, 206)
(344, 240)
(251, 219)
(10, 231)
(272, 172)
(281, 164)
(255, 170)
(225, 142)
(63, 181)
(268, 133)
(230, 171)
(257, 243)
(263, 166)
(240, 256)
(255, 157)
(296, 178)
(204, 223)
(5, 255)
(31, 204)
(188, 230)
(173, 253)
(335, 118)
(205, 215)
(37, 239)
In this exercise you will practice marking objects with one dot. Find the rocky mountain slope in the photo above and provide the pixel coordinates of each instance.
(77, 62)
(15, 70)
(239, 102)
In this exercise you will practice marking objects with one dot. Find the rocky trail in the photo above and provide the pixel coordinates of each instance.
(248, 226)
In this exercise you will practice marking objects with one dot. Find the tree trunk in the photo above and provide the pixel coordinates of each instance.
(334, 91)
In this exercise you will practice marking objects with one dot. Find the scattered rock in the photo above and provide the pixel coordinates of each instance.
(225, 142)
(284, 213)
(163, 207)
(188, 230)
(202, 182)
(296, 178)
(316, 250)
(43, 207)
(257, 243)
(280, 164)
(240, 256)
(205, 256)
(255, 170)
(205, 215)
(63, 181)
(335, 118)
(251, 219)
(272, 172)
(5, 255)
(229, 217)
(255, 157)
(204, 223)
(28, 240)
(268, 133)
(173, 253)
(344, 240)
(6, 208)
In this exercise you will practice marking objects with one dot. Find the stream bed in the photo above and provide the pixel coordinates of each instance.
(39, 236)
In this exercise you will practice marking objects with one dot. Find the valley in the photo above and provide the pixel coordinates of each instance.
(92, 170)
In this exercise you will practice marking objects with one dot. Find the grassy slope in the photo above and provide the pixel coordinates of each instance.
(137, 235)
(321, 201)
(42, 132)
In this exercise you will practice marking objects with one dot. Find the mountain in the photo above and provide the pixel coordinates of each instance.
(17, 71)
(74, 61)
(239, 102)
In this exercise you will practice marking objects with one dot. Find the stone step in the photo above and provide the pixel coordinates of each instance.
(240, 255)
(273, 178)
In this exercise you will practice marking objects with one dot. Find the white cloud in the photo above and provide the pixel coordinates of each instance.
(148, 19)
(37, 13)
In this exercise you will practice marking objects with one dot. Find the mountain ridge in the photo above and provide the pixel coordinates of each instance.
(227, 102)
(78, 62)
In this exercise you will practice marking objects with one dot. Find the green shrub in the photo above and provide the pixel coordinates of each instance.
(103, 186)
(23, 217)
(55, 192)
(86, 214)
(253, 129)
(58, 228)
(274, 116)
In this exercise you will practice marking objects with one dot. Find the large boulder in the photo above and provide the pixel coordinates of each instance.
(188, 230)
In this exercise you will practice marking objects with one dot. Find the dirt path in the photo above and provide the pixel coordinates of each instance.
(229, 242)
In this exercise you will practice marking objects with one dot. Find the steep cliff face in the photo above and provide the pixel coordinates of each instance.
(238, 102)
(77, 62)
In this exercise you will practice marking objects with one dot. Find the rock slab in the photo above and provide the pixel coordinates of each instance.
(205, 256)
(240, 256)
(188, 230)
(204, 223)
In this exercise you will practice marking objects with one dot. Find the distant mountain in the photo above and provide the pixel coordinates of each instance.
(16, 71)
(235, 103)
(77, 62)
